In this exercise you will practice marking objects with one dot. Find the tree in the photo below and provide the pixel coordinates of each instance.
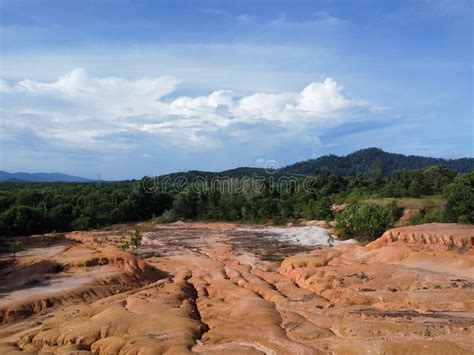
(22, 220)
(186, 204)
(436, 178)
(415, 188)
(460, 199)
(28, 197)
(82, 223)
(322, 208)
(61, 216)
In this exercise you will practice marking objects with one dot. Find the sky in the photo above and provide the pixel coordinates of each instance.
(124, 89)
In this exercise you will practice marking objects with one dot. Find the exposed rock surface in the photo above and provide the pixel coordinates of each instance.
(408, 213)
(214, 288)
(440, 234)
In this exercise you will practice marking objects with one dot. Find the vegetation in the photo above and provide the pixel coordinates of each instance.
(375, 161)
(136, 240)
(460, 199)
(15, 247)
(447, 196)
(365, 222)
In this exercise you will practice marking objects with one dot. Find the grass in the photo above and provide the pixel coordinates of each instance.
(435, 202)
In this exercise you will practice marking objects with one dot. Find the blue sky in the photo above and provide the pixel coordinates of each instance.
(130, 88)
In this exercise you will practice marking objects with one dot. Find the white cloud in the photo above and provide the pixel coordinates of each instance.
(80, 110)
(325, 97)
(318, 20)
(262, 105)
(112, 96)
(217, 98)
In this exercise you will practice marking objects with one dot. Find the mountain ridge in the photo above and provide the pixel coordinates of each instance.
(40, 177)
(365, 160)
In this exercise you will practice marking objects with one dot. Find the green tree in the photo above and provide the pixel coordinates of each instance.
(460, 199)
(22, 220)
(364, 223)
(322, 208)
(61, 217)
(415, 188)
(82, 223)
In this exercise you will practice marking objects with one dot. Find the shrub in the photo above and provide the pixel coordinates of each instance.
(16, 247)
(396, 212)
(136, 240)
(345, 222)
(167, 216)
(364, 223)
(82, 223)
(460, 199)
(125, 245)
(423, 218)
(322, 209)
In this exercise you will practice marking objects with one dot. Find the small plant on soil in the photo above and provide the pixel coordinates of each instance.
(136, 240)
(44, 241)
(56, 269)
(15, 247)
(125, 245)
(331, 241)
(167, 216)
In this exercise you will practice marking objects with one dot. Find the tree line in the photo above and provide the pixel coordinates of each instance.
(30, 208)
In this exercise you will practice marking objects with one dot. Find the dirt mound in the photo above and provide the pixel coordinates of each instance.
(411, 268)
(67, 273)
(434, 234)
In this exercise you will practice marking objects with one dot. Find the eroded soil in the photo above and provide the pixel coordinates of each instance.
(216, 288)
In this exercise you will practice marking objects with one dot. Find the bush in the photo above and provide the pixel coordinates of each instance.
(136, 240)
(322, 209)
(423, 218)
(396, 212)
(364, 223)
(460, 199)
(82, 223)
(167, 216)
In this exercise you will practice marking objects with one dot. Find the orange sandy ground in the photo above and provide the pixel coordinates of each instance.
(208, 288)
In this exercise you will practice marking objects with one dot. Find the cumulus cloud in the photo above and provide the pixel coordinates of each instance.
(325, 97)
(80, 110)
(114, 96)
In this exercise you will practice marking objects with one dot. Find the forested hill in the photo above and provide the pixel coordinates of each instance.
(370, 160)
(374, 160)
(40, 177)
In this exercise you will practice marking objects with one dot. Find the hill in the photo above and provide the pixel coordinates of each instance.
(40, 177)
(370, 159)
(362, 161)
